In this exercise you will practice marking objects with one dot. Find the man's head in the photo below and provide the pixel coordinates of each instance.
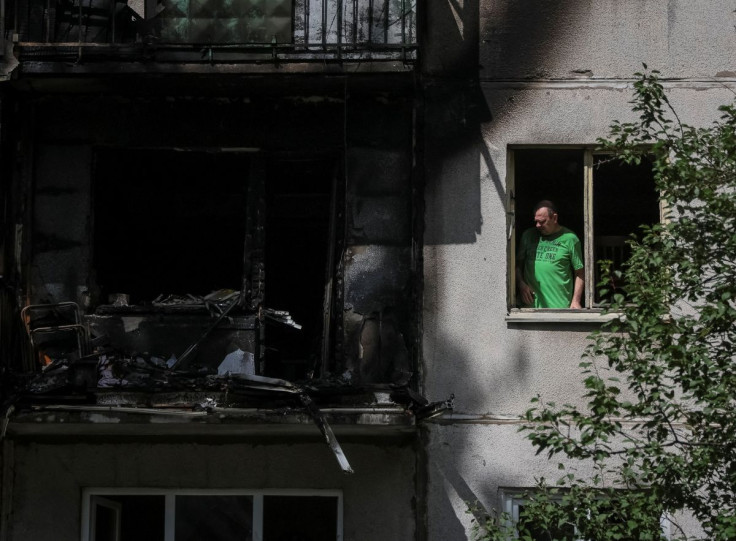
(545, 217)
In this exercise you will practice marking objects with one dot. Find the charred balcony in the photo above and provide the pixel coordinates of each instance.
(192, 221)
(214, 32)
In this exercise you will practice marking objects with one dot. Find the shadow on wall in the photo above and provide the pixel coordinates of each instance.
(451, 369)
(464, 479)
(516, 38)
(458, 38)
(455, 111)
(459, 468)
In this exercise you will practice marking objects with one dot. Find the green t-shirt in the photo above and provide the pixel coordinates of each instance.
(549, 262)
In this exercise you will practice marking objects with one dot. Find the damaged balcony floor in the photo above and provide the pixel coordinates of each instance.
(88, 420)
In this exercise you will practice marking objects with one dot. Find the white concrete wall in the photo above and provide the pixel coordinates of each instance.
(469, 348)
(549, 73)
(523, 39)
(607, 38)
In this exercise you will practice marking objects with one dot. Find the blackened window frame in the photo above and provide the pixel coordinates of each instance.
(253, 284)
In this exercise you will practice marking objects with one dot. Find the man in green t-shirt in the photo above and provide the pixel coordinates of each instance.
(549, 263)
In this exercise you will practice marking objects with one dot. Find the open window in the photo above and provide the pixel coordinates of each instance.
(300, 246)
(188, 515)
(174, 228)
(168, 221)
(105, 515)
(600, 199)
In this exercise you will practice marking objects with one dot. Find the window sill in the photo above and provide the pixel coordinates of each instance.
(585, 315)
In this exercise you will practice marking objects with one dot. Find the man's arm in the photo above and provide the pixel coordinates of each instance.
(527, 295)
(577, 292)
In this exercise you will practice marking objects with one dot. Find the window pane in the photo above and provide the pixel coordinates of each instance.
(226, 21)
(299, 518)
(623, 199)
(214, 518)
(141, 518)
(105, 524)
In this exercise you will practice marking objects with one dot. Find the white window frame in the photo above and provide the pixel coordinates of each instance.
(93, 494)
(589, 313)
(97, 501)
(510, 504)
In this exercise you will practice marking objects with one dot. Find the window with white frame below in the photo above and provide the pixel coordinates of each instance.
(514, 502)
(215, 515)
(596, 197)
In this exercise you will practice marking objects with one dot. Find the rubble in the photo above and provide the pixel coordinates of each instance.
(193, 348)
(280, 316)
(234, 385)
(237, 362)
(177, 300)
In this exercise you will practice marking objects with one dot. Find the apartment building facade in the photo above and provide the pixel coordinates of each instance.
(252, 249)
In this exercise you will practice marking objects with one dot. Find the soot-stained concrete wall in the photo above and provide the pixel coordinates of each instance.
(379, 283)
(61, 222)
(378, 498)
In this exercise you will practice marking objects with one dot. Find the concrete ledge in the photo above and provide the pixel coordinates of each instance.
(146, 423)
(559, 316)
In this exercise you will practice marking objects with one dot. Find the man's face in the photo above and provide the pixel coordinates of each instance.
(545, 221)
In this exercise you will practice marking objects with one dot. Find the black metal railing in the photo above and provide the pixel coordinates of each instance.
(310, 24)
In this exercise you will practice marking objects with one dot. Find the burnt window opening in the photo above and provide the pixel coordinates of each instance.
(299, 261)
(168, 222)
(192, 222)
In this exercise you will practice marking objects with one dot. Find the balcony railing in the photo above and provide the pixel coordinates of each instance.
(301, 24)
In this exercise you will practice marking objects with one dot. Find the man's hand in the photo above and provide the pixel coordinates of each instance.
(577, 295)
(527, 295)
